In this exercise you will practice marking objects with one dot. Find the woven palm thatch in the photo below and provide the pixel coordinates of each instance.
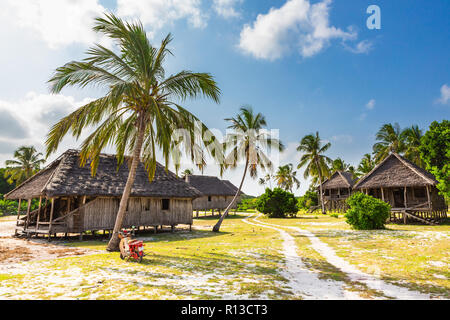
(212, 186)
(396, 171)
(65, 177)
(339, 179)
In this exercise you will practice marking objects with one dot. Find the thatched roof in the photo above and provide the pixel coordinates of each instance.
(212, 186)
(339, 179)
(65, 177)
(232, 186)
(396, 171)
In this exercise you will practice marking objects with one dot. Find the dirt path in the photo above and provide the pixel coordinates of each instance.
(304, 281)
(352, 272)
(15, 251)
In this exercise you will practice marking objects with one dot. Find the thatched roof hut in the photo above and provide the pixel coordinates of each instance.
(339, 180)
(217, 193)
(402, 184)
(81, 202)
(336, 189)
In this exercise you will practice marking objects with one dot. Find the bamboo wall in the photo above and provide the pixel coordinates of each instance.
(217, 202)
(100, 214)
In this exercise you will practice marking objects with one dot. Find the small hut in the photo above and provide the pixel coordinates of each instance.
(71, 200)
(217, 193)
(336, 189)
(410, 190)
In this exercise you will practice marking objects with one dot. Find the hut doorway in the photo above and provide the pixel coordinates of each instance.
(399, 198)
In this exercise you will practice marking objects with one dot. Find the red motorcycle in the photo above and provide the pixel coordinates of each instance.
(130, 248)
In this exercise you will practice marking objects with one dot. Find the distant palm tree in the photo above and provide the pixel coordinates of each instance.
(366, 165)
(266, 180)
(340, 165)
(140, 112)
(390, 139)
(286, 177)
(314, 159)
(27, 162)
(248, 142)
(187, 172)
(412, 137)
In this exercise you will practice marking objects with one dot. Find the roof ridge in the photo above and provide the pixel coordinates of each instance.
(410, 165)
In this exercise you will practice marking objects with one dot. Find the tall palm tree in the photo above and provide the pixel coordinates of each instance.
(140, 111)
(27, 161)
(187, 172)
(390, 139)
(314, 159)
(412, 137)
(286, 177)
(248, 142)
(366, 165)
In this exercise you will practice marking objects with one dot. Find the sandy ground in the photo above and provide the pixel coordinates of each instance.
(14, 251)
(330, 255)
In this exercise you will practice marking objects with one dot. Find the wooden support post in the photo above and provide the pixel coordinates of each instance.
(405, 198)
(190, 227)
(39, 213)
(28, 214)
(52, 208)
(382, 193)
(429, 197)
(172, 227)
(404, 217)
(18, 216)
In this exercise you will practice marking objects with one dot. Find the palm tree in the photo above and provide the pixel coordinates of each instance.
(390, 139)
(140, 111)
(412, 137)
(266, 179)
(286, 177)
(366, 165)
(314, 159)
(248, 142)
(187, 172)
(27, 161)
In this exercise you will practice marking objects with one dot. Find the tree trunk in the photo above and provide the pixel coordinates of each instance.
(219, 223)
(320, 187)
(113, 244)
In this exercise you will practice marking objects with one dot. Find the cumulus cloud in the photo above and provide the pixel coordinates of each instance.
(297, 25)
(371, 104)
(226, 8)
(10, 126)
(445, 95)
(157, 13)
(57, 22)
(364, 46)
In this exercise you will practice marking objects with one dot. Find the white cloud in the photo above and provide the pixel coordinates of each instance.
(155, 14)
(364, 46)
(371, 104)
(57, 22)
(445, 95)
(226, 8)
(342, 138)
(297, 25)
(37, 113)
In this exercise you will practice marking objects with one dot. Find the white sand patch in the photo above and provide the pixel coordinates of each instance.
(303, 281)
(440, 276)
(439, 264)
(354, 274)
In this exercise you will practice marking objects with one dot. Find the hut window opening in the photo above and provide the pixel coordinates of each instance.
(344, 192)
(209, 198)
(146, 204)
(420, 193)
(327, 192)
(165, 204)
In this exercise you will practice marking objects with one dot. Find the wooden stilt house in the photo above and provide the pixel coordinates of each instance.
(336, 189)
(71, 200)
(217, 194)
(410, 190)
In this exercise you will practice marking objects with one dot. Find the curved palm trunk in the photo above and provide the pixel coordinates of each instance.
(219, 223)
(113, 244)
(320, 187)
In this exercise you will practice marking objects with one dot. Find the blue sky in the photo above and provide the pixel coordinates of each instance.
(306, 65)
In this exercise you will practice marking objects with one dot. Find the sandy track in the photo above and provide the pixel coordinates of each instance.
(303, 281)
(351, 271)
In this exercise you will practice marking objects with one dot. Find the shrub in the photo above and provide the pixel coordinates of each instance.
(308, 200)
(334, 215)
(277, 203)
(366, 212)
(247, 204)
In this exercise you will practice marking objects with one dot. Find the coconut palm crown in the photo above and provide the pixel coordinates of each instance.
(27, 161)
(140, 111)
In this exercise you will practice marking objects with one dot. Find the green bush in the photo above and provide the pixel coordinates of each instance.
(334, 215)
(247, 204)
(366, 212)
(277, 203)
(308, 200)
